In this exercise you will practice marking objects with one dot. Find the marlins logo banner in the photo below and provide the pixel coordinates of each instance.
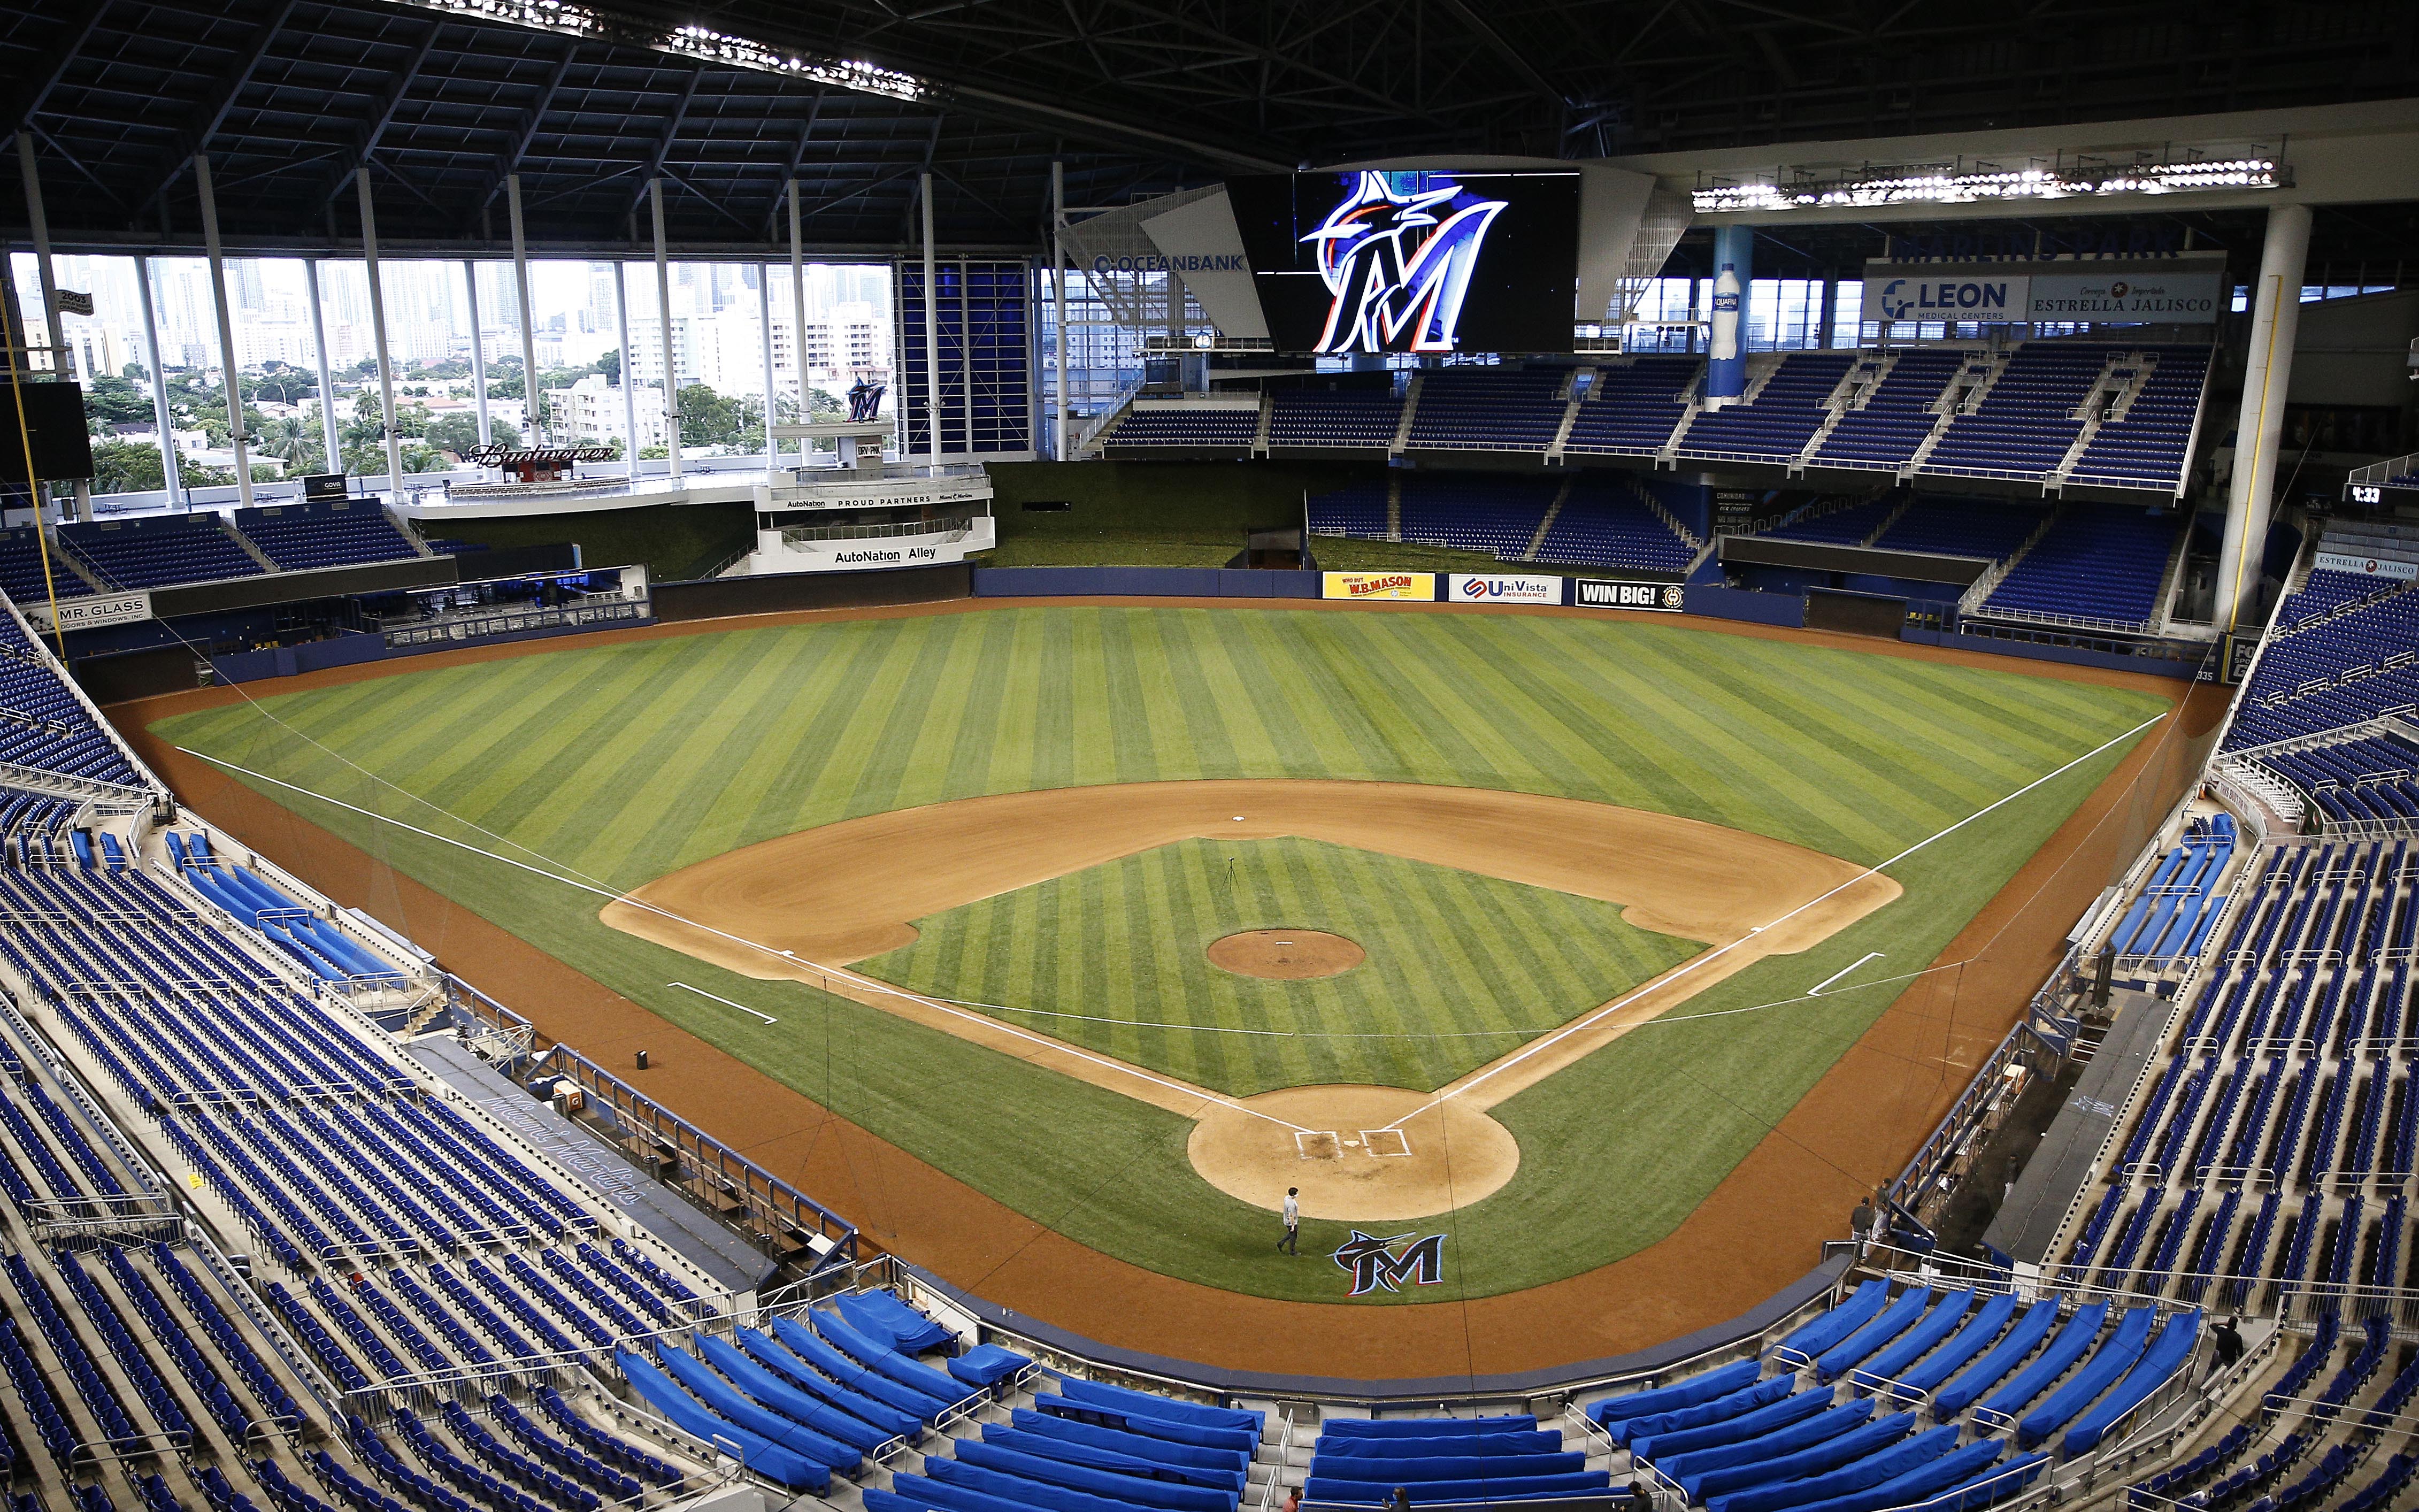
(1374, 1263)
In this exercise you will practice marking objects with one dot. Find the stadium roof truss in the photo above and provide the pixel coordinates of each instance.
(587, 100)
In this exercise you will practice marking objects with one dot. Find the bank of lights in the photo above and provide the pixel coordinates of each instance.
(699, 43)
(1976, 188)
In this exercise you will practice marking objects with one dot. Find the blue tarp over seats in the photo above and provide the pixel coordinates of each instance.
(1984, 1373)
(1872, 1470)
(917, 1493)
(82, 844)
(1539, 1442)
(1746, 1425)
(1142, 1446)
(1800, 1435)
(1971, 1340)
(1917, 1341)
(1136, 1421)
(1049, 1446)
(2168, 1353)
(1763, 1394)
(1139, 1490)
(1357, 1467)
(1169, 1410)
(1370, 1492)
(2070, 1346)
(912, 1374)
(986, 1366)
(1016, 1488)
(801, 1341)
(727, 1400)
(1993, 1483)
(789, 1400)
(1405, 1428)
(1919, 1483)
(892, 1420)
(1830, 1453)
(1819, 1334)
(1892, 1320)
(1688, 1393)
(881, 1315)
(759, 1454)
(2110, 1361)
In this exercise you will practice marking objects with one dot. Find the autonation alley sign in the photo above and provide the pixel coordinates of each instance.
(1993, 295)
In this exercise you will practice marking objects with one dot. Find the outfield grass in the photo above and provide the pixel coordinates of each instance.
(1127, 943)
(629, 761)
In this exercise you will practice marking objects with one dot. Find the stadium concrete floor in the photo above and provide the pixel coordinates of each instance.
(1753, 1235)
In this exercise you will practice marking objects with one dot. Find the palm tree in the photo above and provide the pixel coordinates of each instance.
(292, 442)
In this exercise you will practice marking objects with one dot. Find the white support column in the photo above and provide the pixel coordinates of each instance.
(226, 327)
(40, 222)
(319, 349)
(798, 320)
(478, 348)
(377, 336)
(765, 319)
(530, 417)
(1059, 293)
(173, 479)
(629, 374)
(2266, 375)
(664, 329)
(932, 328)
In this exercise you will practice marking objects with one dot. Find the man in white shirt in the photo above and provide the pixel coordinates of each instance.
(1291, 1243)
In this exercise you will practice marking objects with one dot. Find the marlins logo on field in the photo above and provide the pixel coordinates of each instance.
(1374, 1263)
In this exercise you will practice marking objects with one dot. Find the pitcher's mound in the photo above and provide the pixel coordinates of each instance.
(1286, 954)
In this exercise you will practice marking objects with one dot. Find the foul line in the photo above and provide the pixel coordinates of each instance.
(1816, 991)
(785, 957)
(725, 1001)
(1589, 1021)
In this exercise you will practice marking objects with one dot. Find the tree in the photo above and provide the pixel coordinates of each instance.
(460, 434)
(292, 441)
(610, 365)
(116, 401)
(711, 419)
(280, 383)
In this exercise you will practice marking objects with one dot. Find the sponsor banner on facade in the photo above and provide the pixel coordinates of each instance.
(2110, 293)
(600, 614)
(1417, 585)
(2337, 561)
(1978, 297)
(1483, 588)
(1607, 593)
(92, 613)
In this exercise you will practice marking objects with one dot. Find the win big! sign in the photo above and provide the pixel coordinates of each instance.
(1606, 593)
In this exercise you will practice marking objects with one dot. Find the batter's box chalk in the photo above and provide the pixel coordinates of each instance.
(1385, 1142)
(1317, 1144)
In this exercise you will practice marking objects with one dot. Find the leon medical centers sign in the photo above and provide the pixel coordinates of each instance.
(2014, 293)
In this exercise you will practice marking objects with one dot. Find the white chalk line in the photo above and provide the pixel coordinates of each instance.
(1816, 991)
(785, 957)
(1589, 1021)
(725, 1001)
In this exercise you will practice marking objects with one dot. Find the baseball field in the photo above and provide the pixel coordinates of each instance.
(1499, 927)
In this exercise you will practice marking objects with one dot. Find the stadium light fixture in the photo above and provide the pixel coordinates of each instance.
(703, 43)
(1868, 191)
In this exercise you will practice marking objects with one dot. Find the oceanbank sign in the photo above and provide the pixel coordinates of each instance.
(1181, 263)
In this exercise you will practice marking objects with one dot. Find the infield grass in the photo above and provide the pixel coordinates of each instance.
(1461, 968)
(629, 761)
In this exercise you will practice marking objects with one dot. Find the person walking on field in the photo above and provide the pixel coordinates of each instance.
(1291, 1243)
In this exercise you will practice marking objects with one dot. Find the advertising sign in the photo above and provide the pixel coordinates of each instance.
(1411, 586)
(1482, 588)
(2111, 293)
(1606, 593)
(91, 612)
(1965, 296)
(1419, 260)
(2364, 567)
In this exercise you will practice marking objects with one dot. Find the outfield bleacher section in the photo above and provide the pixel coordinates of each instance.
(1784, 412)
(2095, 565)
(1891, 422)
(1587, 521)
(1194, 428)
(1351, 420)
(342, 533)
(1608, 522)
(1489, 410)
(1992, 530)
(1630, 409)
(160, 550)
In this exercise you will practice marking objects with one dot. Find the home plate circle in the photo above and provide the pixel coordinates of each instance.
(1286, 954)
(1358, 1152)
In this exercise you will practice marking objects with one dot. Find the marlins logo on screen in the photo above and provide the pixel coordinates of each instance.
(1398, 265)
